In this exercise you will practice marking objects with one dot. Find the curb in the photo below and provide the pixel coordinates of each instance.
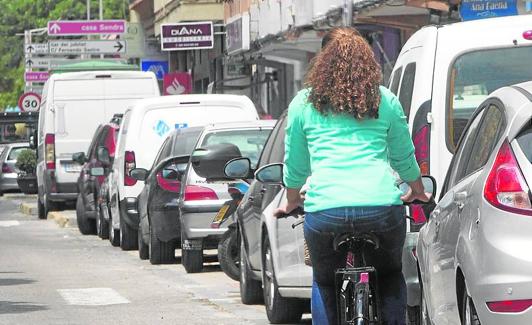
(28, 208)
(61, 219)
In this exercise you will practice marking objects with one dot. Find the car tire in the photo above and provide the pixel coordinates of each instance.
(114, 234)
(42, 212)
(144, 251)
(280, 310)
(128, 237)
(102, 226)
(250, 289)
(424, 318)
(468, 310)
(86, 226)
(191, 259)
(228, 254)
(413, 315)
(162, 252)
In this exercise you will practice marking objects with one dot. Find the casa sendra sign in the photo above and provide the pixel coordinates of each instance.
(85, 27)
(187, 36)
(480, 9)
(238, 35)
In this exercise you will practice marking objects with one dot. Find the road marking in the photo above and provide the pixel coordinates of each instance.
(9, 223)
(92, 297)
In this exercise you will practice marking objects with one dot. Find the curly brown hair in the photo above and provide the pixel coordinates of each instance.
(344, 77)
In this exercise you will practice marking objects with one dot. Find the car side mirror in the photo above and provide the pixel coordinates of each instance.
(79, 157)
(238, 168)
(270, 174)
(209, 162)
(103, 156)
(97, 171)
(140, 174)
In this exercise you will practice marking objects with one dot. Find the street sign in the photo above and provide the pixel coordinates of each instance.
(187, 36)
(86, 27)
(34, 89)
(480, 9)
(160, 68)
(36, 76)
(29, 102)
(54, 62)
(36, 48)
(135, 39)
(86, 47)
(177, 83)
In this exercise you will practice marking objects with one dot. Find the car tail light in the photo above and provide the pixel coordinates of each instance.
(421, 143)
(49, 150)
(6, 168)
(505, 186)
(195, 193)
(170, 185)
(509, 306)
(129, 165)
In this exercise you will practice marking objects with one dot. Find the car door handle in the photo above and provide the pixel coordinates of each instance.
(251, 198)
(262, 191)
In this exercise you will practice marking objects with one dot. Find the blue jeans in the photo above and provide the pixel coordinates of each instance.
(388, 224)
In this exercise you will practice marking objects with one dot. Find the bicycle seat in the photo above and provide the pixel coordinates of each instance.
(350, 238)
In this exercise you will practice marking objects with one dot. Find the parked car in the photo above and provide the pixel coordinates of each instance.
(474, 253)
(159, 226)
(8, 159)
(96, 165)
(73, 105)
(262, 236)
(143, 130)
(441, 76)
(201, 200)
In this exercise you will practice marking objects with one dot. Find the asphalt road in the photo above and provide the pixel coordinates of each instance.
(53, 275)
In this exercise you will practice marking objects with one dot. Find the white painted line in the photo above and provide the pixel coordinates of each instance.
(9, 223)
(92, 297)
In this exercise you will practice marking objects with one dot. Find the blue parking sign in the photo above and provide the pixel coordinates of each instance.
(160, 68)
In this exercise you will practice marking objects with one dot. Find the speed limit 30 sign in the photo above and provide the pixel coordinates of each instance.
(29, 102)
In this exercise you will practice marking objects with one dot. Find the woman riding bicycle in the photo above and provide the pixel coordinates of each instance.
(349, 133)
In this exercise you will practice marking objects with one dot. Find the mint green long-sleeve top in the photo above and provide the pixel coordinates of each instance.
(351, 161)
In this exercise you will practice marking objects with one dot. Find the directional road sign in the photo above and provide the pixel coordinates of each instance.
(86, 27)
(36, 48)
(37, 63)
(29, 102)
(36, 76)
(54, 62)
(87, 47)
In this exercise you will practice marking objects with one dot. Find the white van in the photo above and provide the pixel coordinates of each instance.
(143, 130)
(444, 73)
(73, 105)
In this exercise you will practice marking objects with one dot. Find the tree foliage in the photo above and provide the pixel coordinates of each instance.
(20, 15)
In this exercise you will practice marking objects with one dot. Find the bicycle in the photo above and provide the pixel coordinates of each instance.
(356, 283)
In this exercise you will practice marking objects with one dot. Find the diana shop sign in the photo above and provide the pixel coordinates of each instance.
(480, 9)
(187, 36)
(238, 39)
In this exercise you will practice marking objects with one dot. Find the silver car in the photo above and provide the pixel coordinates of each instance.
(475, 252)
(8, 158)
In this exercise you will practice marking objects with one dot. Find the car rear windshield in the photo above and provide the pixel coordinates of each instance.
(13, 154)
(250, 142)
(185, 141)
(475, 75)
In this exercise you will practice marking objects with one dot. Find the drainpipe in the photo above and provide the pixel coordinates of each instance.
(348, 12)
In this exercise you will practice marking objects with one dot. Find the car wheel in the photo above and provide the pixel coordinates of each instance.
(102, 226)
(42, 213)
(424, 318)
(86, 226)
(163, 252)
(191, 258)
(114, 234)
(228, 254)
(469, 312)
(144, 252)
(279, 310)
(128, 237)
(250, 289)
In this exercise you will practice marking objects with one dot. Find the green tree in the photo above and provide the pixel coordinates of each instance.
(20, 15)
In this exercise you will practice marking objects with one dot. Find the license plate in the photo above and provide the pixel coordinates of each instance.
(221, 214)
(71, 168)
